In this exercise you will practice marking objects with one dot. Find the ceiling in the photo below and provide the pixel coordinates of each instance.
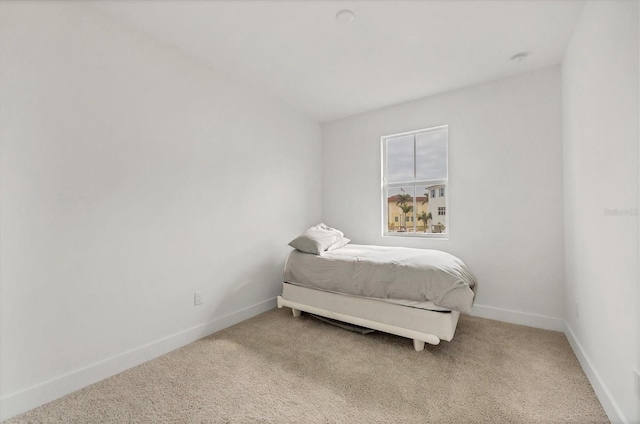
(394, 51)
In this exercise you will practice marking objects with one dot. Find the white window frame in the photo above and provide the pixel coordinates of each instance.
(415, 183)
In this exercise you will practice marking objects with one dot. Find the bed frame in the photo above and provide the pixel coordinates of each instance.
(421, 325)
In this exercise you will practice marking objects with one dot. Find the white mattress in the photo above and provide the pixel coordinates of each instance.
(428, 306)
(382, 272)
(439, 323)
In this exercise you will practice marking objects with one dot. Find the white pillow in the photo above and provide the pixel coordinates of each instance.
(316, 239)
(340, 243)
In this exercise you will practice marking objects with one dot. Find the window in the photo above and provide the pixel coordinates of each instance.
(414, 181)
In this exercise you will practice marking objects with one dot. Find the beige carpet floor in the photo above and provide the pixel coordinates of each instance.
(275, 368)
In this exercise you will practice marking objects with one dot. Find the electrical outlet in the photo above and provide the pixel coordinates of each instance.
(197, 298)
(577, 309)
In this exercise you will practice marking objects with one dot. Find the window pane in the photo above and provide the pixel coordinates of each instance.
(399, 159)
(400, 210)
(430, 209)
(431, 155)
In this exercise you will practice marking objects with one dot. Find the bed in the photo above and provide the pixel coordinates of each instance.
(413, 293)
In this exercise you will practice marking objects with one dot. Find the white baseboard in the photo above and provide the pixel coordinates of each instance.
(515, 317)
(604, 395)
(19, 402)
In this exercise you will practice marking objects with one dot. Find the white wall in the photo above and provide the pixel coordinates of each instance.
(505, 187)
(600, 107)
(132, 178)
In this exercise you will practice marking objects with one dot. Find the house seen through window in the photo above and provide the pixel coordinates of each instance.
(414, 182)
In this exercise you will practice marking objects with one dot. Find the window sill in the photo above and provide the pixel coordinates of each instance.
(432, 236)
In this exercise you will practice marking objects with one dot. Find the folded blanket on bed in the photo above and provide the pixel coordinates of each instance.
(386, 273)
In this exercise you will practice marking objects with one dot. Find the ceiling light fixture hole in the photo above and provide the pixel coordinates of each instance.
(345, 16)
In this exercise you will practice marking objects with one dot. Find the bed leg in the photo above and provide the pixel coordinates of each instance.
(296, 312)
(418, 345)
(432, 340)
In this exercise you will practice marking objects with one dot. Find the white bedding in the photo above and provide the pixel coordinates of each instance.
(394, 273)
